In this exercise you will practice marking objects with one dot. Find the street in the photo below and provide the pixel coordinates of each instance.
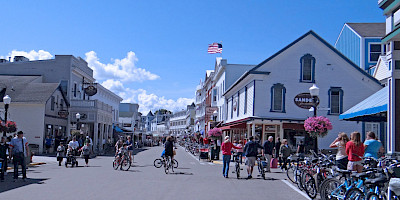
(191, 180)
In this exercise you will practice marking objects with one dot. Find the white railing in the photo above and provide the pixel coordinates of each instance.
(91, 104)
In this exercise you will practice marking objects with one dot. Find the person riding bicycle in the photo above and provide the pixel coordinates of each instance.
(129, 142)
(123, 150)
(169, 147)
(118, 145)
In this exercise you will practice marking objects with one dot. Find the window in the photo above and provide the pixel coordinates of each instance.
(245, 100)
(336, 101)
(64, 87)
(232, 108)
(75, 89)
(62, 104)
(52, 102)
(307, 66)
(397, 64)
(278, 98)
(374, 127)
(396, 45)
(214, 95)
(238, 104)
(374, 52)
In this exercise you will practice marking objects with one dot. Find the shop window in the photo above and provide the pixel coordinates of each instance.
(307, 68)
(335, 101)
(278, 98)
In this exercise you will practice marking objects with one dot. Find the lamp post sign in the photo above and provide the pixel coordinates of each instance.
(305, 100)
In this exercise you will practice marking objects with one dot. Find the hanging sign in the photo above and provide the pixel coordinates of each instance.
(91, 90)
(305, 100)
(63, 113)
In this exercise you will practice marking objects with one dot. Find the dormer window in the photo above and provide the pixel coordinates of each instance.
(307, 68)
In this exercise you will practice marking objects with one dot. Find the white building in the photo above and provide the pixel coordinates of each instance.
(177, 123)
(266, 100)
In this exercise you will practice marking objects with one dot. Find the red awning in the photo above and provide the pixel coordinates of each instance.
(241, 125)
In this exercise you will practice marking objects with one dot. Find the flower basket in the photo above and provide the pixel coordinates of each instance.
(11, 127)
(317, 126)
(215, 133)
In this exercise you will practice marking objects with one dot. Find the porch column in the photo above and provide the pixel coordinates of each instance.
(253, 129)
(248, 131)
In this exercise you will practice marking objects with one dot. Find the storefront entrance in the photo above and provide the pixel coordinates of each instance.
(295, 136)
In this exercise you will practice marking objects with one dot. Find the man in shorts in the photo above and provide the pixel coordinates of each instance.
(251, 151)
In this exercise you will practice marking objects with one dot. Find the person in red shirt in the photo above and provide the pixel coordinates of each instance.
(355, 151)
(226, 155)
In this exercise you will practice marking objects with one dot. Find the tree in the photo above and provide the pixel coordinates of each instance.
(162, 112)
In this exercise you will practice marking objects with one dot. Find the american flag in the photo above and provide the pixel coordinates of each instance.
(215, 48)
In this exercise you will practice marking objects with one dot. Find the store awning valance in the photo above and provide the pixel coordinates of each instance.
(117, 129)
(371, 109)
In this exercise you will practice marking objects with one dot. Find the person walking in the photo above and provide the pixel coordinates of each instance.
(19, 150)
(284, 153)
(47, 142)
(372, 146)
(277, 148)
(86, 153)
(268, 147)
(226, 148)
(355, 150)
(341, 156)
(251, 152)
(3, 157)
(60, 153)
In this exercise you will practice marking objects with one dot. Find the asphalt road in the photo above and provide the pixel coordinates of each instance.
(192, 180)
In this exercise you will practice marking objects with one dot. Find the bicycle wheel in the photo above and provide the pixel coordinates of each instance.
(354, 194)
(309, 186)
(331, 189)
(125, 164)
(175, 163)
(290, 173)
(372, 196)
(261, 170)
(115, 164)
(166, 165)
(237, 170)
(158, 163)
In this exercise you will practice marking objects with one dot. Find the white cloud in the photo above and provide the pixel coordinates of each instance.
(146, 101)
(32, 55)
(124, 70)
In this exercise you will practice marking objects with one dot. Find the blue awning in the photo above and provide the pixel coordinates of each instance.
(370, 109)
(117, 129)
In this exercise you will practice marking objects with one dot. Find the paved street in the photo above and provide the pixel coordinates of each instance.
(192, 180)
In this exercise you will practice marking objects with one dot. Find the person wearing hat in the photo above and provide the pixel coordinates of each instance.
(226, 155)
(60, 153)
(19, 150)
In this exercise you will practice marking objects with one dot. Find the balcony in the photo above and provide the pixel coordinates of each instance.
(94, 104)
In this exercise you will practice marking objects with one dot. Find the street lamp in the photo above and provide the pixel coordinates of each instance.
(6, 101)
(215, 114)
(314, 91)
(78, 116)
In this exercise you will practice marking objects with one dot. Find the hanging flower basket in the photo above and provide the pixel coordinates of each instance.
(215, 133)
(2, 126)
(11, 127)
(317, 126)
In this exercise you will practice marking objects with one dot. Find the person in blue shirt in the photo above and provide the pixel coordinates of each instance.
(372, 146)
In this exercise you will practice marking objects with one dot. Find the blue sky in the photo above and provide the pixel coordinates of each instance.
(163, 44)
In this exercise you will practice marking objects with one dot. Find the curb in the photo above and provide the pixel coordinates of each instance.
(31, 164)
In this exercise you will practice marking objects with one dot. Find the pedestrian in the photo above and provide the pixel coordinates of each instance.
(60, 153)
(372, 146)
(47, 144)
(268, 147)
(3, 157)
(300, 149)
(284, 153)
(341, 156)
(19, 150)
(86, 153)
(355, 151)
(251, 152)
(104, 143)
(226, 155)
(277, 148)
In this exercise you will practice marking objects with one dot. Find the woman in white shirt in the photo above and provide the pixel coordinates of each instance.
(341, 156)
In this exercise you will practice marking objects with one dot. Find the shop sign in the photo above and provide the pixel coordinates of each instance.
(305, 100)
(63, 113)
(90, 90)
(210, 110)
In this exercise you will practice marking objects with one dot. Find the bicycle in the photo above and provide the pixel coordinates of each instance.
(122, 161)
(261, 164)
(159, 162)
(236, 159)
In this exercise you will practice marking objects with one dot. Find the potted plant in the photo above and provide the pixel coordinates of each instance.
(317, 126)
(215, 133)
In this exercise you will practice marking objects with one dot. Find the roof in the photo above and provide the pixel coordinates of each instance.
(364, 111)
(254, 70)
(25, 89)
(369, 29)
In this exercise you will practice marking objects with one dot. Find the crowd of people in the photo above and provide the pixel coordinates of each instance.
(351, 151)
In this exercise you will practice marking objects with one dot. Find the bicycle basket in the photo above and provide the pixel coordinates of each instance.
(264, 164)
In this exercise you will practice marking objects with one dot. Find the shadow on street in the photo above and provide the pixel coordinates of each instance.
(9, 184)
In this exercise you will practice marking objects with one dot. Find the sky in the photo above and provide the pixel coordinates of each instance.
(154, 53)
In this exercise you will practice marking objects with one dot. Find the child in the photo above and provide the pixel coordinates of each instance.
(60, 153)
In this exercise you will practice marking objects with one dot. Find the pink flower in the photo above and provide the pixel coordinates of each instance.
(317, 126)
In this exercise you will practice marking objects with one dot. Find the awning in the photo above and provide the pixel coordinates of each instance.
(117, 129)
(241, 126)
(371, 109)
